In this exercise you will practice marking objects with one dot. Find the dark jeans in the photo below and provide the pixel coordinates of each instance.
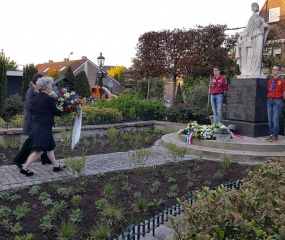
(274, 109)
(25, 151)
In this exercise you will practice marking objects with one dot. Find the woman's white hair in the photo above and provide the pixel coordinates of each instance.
(44, 83)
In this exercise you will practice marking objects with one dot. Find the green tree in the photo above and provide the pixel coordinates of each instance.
(3, 81)
(28, 73)
(81, 85)
(69, 74)
(10, 65)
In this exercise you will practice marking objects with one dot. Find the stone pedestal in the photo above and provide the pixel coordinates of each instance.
(247, 106)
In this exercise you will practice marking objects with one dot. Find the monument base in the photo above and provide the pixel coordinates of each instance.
(251, 76)
(249, 129)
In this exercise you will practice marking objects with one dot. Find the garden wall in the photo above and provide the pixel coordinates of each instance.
(15, 134)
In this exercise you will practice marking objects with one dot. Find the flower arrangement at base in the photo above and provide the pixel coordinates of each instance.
(66, 101)
(204, 132)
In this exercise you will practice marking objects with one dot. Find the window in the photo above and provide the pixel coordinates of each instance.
(93, 90)
(274, 14)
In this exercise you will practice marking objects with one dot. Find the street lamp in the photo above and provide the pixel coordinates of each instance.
(69, 55)
(101, 61)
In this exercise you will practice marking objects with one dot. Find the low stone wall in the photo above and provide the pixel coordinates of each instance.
(15, 134)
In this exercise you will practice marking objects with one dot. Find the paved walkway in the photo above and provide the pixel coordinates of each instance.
(11, 178)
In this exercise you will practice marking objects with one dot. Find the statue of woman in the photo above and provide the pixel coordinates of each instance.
(250, 44)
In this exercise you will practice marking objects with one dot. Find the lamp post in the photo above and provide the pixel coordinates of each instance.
(101, 61)
(69, 57)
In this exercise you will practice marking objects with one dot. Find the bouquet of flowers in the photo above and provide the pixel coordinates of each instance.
(203, 131)
(65, 101)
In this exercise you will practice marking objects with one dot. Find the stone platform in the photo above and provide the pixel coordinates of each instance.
(246, 150)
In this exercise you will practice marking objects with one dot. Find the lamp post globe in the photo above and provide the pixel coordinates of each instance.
(101, 61)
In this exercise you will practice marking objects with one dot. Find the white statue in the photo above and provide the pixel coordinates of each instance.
(250, 45)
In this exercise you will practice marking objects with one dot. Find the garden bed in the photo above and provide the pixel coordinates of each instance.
(107, 203)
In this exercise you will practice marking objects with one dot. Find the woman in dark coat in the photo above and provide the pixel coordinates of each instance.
(25, 151)
(44, 110)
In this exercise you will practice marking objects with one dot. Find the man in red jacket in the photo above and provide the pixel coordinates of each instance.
(275, 96)
(218, 88)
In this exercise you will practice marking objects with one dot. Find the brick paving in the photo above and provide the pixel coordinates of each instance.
(11, 178)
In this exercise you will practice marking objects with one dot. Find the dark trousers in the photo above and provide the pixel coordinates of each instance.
(25, 151)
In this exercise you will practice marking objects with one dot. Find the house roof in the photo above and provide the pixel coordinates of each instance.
(61, 67)
(65, 79)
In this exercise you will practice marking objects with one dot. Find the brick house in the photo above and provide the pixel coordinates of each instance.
(83, 64)
(273, 11)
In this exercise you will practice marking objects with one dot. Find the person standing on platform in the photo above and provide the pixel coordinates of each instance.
(275, 96)
(218, 89)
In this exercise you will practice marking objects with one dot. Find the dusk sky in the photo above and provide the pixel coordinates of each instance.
(34, 31)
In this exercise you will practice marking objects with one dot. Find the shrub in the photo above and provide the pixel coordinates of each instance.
(185, 113)
(255, 211)
(2, 123)
(132, 107)
(17, 121)
(13, 105)
(91, 115)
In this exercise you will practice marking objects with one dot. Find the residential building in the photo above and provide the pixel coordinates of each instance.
(273, 11)
(83, 64)
(14, 83)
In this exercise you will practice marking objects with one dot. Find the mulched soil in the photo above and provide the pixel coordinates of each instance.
(159, 185)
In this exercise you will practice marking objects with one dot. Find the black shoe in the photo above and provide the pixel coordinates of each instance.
(58, 169)
(27, 173)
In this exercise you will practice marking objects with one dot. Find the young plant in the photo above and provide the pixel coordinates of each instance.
(171, 180)
(155, 186)
(20, 212)
(34, 190)
(76, 199)
(67, 230)
(6, 224)
(66, 137)
(140, 204)
(126, 187)
(176, 153)
(16, 228)
(112, 213)
(113, 134)
(65, 192)
(109, 191)
(76, 165)
(76, 216)
(156, 202)
(27, 236)
(60, 206)
(5, 211)
(226, 163)
(14, 198)
(45, 198)
(46, 223)
(140, 156)
(173, 191)
(136, 141)
(218, 175)
(102, 203)
(100, 232)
